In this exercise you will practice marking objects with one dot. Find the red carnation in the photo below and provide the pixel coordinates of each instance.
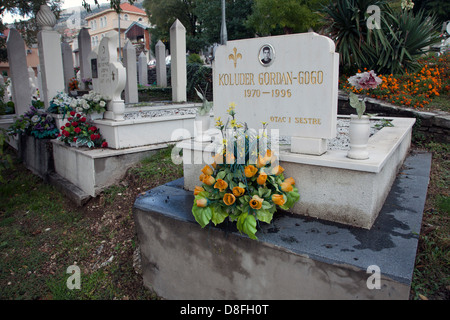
(104, 144)
(93, 129)
(93, 136)
(66, 133)
(75, 139)
(69, 118)
(78, 115)
(78, 130)
(83, 119)
(74, 124)
(72, 113)
(68, 124)
(62, 127)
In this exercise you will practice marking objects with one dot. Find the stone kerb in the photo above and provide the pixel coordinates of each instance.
(290, 82)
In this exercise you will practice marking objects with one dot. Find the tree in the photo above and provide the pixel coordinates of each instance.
(163, 13)
(27, 28)
(209, 13)
(272, 17)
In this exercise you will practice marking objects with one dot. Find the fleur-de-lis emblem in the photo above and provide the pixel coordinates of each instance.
(234, 56)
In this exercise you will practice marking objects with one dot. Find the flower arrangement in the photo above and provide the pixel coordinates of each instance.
(73, 84)
(79, 132)
(62, 103)
(87, 81)
(34, 123)
(93, 102)
(411, 89)
(247, 190)
(364, 80)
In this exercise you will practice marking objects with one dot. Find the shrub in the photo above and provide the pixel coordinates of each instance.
(198, 76)
(394, 48)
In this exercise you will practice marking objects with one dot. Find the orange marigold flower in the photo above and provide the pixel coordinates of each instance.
(221, 185)
(256, 202)
(250, 171)
(262, 178)
(207, 170)
(209, 180)
(238, 191)
(278, 199)
(229, 199)
(203, 202)
(197, 190)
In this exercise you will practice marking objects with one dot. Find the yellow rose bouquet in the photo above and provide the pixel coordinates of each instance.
(242, 184)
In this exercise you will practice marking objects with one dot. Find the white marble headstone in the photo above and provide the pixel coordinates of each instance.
(290, 82)
(111, 78)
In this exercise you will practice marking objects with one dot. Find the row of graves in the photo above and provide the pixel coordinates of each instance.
(267, 208)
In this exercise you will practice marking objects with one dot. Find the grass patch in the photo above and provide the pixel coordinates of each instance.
(159, 166)
(42, 234)
(431, 277)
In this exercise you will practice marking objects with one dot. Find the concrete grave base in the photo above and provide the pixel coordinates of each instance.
(36, 154)
(332, 187)
(93, 170)
(295, 258)
(144, 131)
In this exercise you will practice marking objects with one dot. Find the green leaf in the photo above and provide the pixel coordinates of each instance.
(264, 215)
(246, 223)
(292, 198)
(266, 205)
(218, 215)
(221, 175)
(201, 215)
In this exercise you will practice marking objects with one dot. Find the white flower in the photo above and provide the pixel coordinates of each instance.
(74, 103)
(79, 109)
(102, 104)
(35, 118)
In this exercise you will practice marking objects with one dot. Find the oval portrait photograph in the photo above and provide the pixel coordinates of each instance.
(266, 55)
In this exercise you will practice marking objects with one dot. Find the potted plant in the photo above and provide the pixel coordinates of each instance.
(359, 130)
(246, 190)
(202, 119)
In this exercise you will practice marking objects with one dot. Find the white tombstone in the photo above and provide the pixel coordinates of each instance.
(93, 62)
(290, 82)
(161, 70)
(39, 79)
(50, 56)
(67, 57)
(33, 81)
(178, 61)
(84, 45)
(111, 79)
(129, 61)
(143, 69)
(20, 85)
